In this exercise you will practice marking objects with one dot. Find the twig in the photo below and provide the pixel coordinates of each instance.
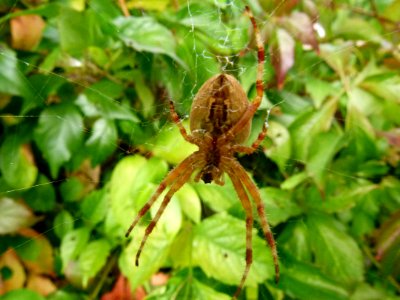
(124, 8)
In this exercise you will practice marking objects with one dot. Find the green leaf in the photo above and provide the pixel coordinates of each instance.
(12, 80)
(94, 207)
(373, 168)
(184, 285)
(294, 241)
(392, 11)
(302, 281)
(171, 146)
(294, 181)
(153, 256)
(64, 295)
(121, 194)
(13, 216)
(93, 258)
(42, 197)
(146, 34)
(71, 189)
(79, 30)
(362, 144)
(145, 94)
(181, 249)
(108, 9)
(319, 90)
(190, 203)
(22, 294)
(365, 292)
(218, 198)
(171, 219)
(99, 100)
(323, 148)
(347, 198)
(364, 101)
(280, 150)
(59, 134)
(50, 61)
(102, 141)
(53, 84)
(63, 223)
(129, 195)
(219, 249)
(150, 5)
(336, 253)
(338, 57)
(367, 212)
(356, 28)
(308, 125)
(17, 164)
(278, 205)
(72, 245)
(385, 87)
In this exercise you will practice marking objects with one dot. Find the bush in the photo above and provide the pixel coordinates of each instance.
(86, 137)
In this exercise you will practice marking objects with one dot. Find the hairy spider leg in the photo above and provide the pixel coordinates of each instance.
(178, 123)
(252, 189)
(251, 110)
(182, 179)
(256, 143)
(260, 138)
(171, 177)
(244, 198)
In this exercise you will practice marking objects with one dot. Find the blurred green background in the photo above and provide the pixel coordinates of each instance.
(86, 137)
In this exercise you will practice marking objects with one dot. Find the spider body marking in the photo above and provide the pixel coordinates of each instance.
(218, 105)
(220, 121)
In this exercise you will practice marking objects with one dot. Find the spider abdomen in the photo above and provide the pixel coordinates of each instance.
(218, 105)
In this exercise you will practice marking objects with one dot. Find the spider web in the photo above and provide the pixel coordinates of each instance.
(226, 21)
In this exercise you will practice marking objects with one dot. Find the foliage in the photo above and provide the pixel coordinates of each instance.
(86, 137)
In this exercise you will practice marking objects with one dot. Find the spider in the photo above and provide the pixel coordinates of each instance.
(220, 121)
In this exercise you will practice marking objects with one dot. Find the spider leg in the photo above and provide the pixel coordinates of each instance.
(178, 122)
(252, 189)
(251, 110)
(182, 179)
(171, 177)
(256, 143)
(260, 138)
(244, 198)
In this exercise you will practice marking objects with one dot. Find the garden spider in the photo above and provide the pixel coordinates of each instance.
(220, 121)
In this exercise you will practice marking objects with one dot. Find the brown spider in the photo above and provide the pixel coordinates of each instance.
(220, 121)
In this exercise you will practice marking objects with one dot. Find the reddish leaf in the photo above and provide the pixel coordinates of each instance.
(26, 31)
(387, 245)
(159, 279)
(279, 7)
(10, 261)
(282, 54)
(122, 291)
(81, 182)
(301, 27)
(41, 284)
(44, 262)
(392, 63)
(311, 9)
(393, 139)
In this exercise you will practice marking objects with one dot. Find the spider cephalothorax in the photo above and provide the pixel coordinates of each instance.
(220, 121)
